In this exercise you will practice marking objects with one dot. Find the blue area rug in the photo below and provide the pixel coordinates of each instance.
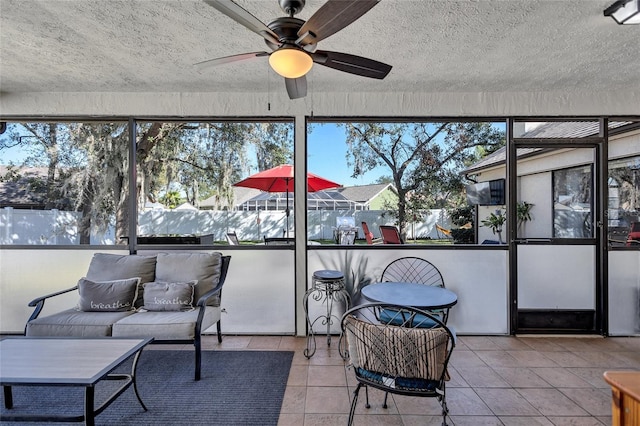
(237, 388)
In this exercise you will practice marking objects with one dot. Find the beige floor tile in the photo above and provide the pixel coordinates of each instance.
(417, 405)
(518, 377)
(577, 344)
(604, 359)
(631, 358)
(482, 377)
(315, 419)
(375, 420)
(326, 375)
(507, 402)
(497, 358)
(596, 402)
(264, 342)
(291, 419)
(551, 402)
(466, 359)
(525, 421)
(509, 343)
(376, 401)
(566, 359)
(409, 420)
(466, 402)
(292, 343)
(628, 343)
(476, 421)
(327, 400)
(576, 421)
(561, 377)
(542, 344)
(475, 343)
(298, 375)
(456, 380)
(531, 359)
(593, 376)
(514, 391)
(294, 400)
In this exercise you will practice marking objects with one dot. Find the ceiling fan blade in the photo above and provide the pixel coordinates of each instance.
(243, 17)
(296, 87)
(228, 59)
(352, 64)
(333, 16)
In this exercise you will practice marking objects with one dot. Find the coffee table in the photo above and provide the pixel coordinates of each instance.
(33, 361)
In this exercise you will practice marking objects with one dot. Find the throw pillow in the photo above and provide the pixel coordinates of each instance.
(107, 296)
(161, 296)
(109, 266)
(180, 267)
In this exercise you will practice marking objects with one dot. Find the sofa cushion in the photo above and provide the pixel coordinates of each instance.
(180, 267)
(160, 296)
(73, 323)
(107, 296)
(175, 325)
(107, 266)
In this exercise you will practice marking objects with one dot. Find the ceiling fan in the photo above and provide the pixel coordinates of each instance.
(293, 41)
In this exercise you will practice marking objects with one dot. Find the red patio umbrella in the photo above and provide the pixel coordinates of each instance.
(280, 179)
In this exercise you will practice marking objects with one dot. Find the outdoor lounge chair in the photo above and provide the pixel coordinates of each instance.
(390, 235)
(232, 239)
(403, 359)
(368, 235)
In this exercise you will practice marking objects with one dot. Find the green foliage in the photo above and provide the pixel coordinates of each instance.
(495, 221)
(171, 199)
(523, 212)
(462, 215)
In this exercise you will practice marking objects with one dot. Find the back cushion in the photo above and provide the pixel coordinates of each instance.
(180, 267)
(106, 267)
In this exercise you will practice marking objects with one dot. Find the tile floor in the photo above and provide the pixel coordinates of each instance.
(495, 380)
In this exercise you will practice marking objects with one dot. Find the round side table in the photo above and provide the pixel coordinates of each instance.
(327, 286)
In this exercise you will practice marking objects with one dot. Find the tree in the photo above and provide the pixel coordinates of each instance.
(424, 158)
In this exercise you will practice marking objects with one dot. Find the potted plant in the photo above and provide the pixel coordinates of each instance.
(495, 221)
(523, 212)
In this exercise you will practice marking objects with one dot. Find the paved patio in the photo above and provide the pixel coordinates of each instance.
(494, 381)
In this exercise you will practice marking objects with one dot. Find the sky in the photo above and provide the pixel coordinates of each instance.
(326, 156)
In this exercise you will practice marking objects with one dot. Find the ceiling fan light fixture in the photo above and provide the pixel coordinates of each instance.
(290, 62)
(624, 12)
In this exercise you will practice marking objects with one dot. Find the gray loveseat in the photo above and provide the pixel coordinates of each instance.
(112, 299)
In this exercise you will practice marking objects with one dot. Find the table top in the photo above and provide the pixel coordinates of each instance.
(410, 294)
(626, 381)
(53, 360)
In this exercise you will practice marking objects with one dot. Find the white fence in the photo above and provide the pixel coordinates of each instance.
(53, 227)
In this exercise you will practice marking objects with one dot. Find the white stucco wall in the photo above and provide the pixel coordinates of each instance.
(397, 104)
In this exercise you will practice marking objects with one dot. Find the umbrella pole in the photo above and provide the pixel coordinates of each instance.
(287, 209)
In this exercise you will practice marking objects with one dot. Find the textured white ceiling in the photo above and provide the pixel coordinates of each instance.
(435, 46)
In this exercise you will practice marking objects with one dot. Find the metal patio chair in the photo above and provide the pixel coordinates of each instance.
(404, 358)
(419, 271)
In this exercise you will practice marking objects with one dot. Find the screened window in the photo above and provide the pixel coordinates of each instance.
(64, 183)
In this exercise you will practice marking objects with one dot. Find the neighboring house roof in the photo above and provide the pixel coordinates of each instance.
(552, 130)
(20, 193)
(365, 193)
(327, 199)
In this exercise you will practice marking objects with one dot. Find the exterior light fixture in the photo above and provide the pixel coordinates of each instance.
(290, 62)
(624, 11)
